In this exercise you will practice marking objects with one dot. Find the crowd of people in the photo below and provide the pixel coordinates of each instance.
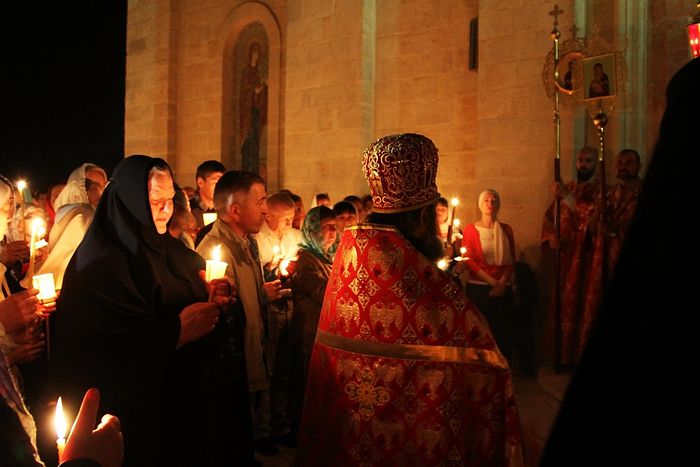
(335, 330)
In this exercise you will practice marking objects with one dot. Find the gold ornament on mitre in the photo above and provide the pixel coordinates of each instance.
(401, 171)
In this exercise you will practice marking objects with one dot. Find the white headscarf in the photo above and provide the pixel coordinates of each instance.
(75, 192)
(501, 245)
(5, 194)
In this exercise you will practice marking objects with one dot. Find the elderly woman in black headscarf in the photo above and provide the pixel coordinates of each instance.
(133, 320)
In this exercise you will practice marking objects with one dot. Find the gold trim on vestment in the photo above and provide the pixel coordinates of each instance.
(406, 208)
(439, 353)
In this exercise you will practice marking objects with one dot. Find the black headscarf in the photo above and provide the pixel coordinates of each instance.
(117, 326)
(626, 401)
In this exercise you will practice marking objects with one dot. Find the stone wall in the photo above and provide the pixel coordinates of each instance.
(424, 85)
(344, 72)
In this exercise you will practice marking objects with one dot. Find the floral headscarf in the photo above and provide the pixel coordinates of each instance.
(312, 237)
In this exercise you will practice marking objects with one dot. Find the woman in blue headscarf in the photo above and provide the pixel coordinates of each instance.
(314, 266)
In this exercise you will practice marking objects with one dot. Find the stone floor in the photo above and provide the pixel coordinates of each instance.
(538, 401)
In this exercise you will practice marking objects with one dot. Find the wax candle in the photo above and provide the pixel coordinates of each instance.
(216, 269)
(37, 228)
(61, 428)
(209, 217)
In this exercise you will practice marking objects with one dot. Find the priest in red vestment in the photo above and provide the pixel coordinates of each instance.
(582, 254)
(622, 202)
(404, 370)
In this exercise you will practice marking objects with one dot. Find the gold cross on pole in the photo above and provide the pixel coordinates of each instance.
(556, 11)
(574, 31)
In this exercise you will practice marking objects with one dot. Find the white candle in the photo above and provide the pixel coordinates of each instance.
(21, 187)
(61, 428)
(46, 286)
(216, 269)
(37, 227)
(209, 217)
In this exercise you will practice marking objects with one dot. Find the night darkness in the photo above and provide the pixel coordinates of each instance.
(63, 93)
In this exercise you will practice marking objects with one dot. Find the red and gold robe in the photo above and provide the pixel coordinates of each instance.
(404, 369)
(582, 259)
(621, 204)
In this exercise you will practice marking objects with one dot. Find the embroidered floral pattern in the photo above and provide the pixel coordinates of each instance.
(366, 393)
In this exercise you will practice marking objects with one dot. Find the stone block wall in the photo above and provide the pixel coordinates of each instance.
(424, 85)
(349, 71)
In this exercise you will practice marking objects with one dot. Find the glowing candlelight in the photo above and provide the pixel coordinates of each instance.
(283, 267)
(456, 223)
(450, 229)
(61, 428)
(463, 250)
(275, 250)
(46, 286)
(37, 227)
(216, 269)
(21, 187)
(442, 264)
(209, 217)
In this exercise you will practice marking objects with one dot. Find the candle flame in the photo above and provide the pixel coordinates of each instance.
(216, 253)
(455, 201)
(463, 250)
(283, 267)
(275, 250)
(456, 222)
(60, 421)
(38, 226)
(21, 185)
(442, 264)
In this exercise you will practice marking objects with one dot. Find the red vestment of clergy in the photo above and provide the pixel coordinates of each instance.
(404, 369)
(582, 259)
(622, 205)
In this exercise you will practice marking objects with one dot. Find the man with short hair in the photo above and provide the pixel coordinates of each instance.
(622, 202)
(241, 206)
(581, 261)
(404, 370)
(208, 173)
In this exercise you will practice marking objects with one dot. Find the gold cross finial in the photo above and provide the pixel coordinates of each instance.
(555, 13)
(574, 31)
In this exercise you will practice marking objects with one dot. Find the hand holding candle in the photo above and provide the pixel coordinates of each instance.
(216, 268)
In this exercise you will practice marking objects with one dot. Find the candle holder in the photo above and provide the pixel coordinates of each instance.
(46, 286)
(216, 269)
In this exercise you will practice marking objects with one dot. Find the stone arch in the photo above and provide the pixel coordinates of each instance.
(239, 18)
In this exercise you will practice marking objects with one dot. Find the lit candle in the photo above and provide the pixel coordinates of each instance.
(22, 186)
(442, 264)
(454, 202)
(216, 269)
(275, 250)
(463, 250)
(61, 428)
(283, 267)
(46, 286)
(37, 228)
(209, 217)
